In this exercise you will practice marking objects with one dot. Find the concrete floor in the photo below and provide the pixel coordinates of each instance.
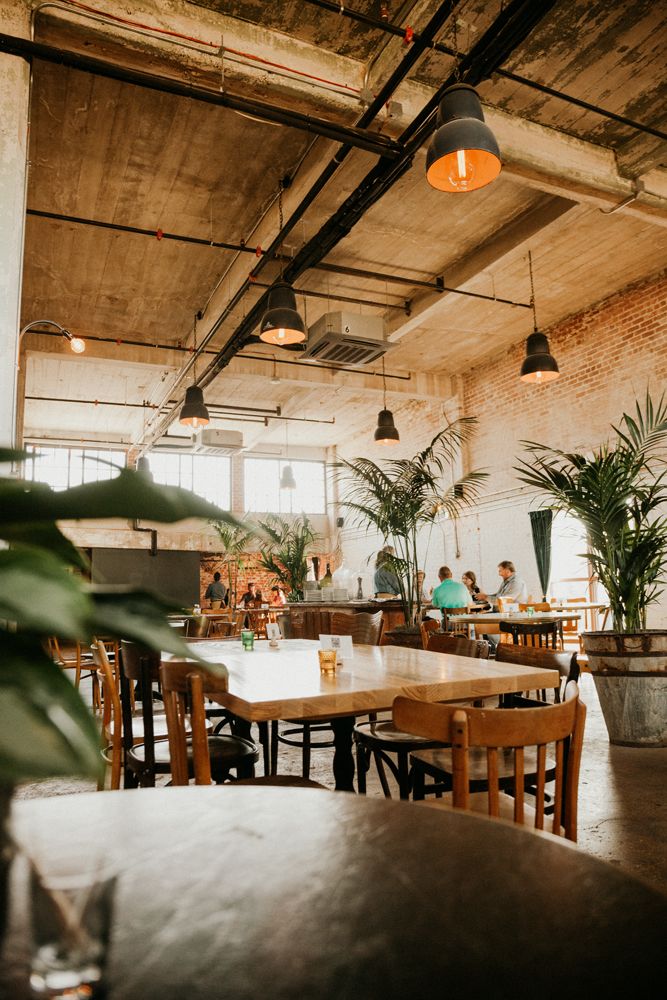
(622, 802)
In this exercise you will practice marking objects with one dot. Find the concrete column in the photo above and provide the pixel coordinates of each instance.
(14, 123)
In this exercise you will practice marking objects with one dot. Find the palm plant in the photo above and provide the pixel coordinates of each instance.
(618, 494)
(284, 555)
(401, 496)
(235, 540)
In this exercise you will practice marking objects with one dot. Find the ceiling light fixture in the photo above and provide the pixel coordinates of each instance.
(144, 468)
(281, 323)
(287, 480)
(463, 154)
(385, 432)
(539, 365)
(193, 412)
(77, 344)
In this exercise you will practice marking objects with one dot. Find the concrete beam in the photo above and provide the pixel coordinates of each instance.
(505, 241)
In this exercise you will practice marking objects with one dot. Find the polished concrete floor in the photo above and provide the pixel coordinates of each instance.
(622, 801)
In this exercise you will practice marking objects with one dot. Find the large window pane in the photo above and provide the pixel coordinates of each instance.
(263, 493)
(209, 476)
(65, 467)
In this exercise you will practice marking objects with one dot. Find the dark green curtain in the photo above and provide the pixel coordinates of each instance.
(540, 525)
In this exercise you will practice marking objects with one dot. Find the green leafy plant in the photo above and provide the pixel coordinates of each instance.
(45, 728)
(401, 496)
(284, 554)
(235, 539)
(619, 494)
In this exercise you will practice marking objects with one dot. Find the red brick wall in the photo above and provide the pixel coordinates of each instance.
(212, 561)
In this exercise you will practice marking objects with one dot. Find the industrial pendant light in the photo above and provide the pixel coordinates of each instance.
(287, 480)
(463, 154)
(194, 412)
(385, 432)
(539, 364)
(144, 468)
(281, 323)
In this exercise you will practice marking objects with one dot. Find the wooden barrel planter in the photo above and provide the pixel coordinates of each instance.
(630, 674)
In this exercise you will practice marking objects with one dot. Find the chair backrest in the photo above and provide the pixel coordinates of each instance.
(572, 628)
(364, 627)
(197, 627)
(458, 645)
(132, 655)
(446, 612)
(427, 626)
(111, 709)
(536, 605)
(540, 634)
(502, 730)
(548, 659)
(184, 687)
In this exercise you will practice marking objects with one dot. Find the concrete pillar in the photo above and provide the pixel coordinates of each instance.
(14, 123)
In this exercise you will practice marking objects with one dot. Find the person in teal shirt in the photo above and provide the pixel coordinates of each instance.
(450, 593)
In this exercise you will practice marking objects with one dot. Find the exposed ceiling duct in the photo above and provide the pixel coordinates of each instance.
(346, 339)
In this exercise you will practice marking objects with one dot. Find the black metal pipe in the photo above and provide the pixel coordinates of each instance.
(391, 29)
(339, 298)
(351, 135)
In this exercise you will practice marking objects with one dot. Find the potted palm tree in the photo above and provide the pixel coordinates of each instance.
(46, 730)
(400, 497)
(284, 554)
(236, 539)
(619, 493)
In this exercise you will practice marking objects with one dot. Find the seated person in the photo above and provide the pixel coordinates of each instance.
(423, 596)
(385, 580)
(470, 581)
(449, 593)
(252, 597)
(278, 599)
(216, 591)
(512, 588)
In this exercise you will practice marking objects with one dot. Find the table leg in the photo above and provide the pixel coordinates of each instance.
(343, 762)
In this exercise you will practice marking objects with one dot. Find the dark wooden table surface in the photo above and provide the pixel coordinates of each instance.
(248, 893)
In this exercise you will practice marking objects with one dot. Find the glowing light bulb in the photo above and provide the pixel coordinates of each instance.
(77, 345)
(538, 376)
(281, 334)
(462, 172)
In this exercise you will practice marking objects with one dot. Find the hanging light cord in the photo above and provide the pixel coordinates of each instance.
(532, 291)
(384, 388)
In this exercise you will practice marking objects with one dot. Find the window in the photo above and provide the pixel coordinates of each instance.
(570, 571)
(209, 476)
(61, 468)
(263, 493)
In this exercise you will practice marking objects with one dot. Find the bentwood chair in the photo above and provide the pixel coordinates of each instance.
(72, 656)
(388, 746)
(436, 764)
(499, 742)
(186, 686)
(541, 634)
(365, 628)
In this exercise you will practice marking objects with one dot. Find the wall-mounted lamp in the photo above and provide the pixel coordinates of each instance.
(463, 154)
(539, 365)
(281, 323)
(77, 344)
(386, 431)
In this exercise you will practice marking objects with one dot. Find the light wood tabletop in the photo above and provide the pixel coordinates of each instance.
(493, 617)
(285, 683)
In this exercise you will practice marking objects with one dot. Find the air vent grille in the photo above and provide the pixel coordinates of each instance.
(346, 351)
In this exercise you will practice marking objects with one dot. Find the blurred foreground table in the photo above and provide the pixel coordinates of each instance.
(248, 892)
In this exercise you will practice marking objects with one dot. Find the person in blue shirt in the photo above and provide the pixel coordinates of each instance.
(449, 593)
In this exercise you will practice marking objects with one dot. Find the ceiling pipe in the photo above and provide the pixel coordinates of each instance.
(354, 136)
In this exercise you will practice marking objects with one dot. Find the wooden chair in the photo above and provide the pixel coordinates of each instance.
(365, 628)
(185, 686)
(426, 627)
(504, 738)
(536, 606)
(382, 741)
(570, 632)
(448, 626)
(540, 634)
(547, 659)
(72, 656)
(197, 627)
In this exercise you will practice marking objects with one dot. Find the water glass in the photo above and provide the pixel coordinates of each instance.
(248, 638)
(71, 922)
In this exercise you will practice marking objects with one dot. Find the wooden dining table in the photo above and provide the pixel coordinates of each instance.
(237, 893)
(284, 682)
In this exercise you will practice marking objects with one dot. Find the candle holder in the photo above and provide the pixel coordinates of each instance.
(328, 660)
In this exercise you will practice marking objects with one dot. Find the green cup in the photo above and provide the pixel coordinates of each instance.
(248, 638)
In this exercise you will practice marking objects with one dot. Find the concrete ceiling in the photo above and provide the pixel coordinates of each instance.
(133, 158)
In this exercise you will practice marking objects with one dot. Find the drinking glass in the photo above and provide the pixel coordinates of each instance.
(71, 916)
(328, 660)
(248, 638)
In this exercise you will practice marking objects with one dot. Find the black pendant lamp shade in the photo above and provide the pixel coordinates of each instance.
(463, 154)
(194, 412)
(281, 323)
(539, 364)
(287, 480)
(386, 432)
(144, 468)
